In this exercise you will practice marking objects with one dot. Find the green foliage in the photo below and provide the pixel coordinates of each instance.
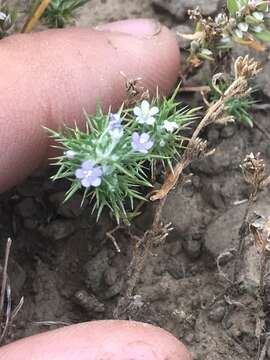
(125, 169)
(237, 108)
(60, 13)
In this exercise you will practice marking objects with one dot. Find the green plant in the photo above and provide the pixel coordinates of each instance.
(60, 13)
(112, 159)
(237, 108)
(244, 22)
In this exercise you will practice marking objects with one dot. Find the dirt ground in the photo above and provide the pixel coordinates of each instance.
(68, 270)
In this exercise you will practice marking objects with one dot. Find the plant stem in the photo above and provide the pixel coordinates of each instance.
(34, 18)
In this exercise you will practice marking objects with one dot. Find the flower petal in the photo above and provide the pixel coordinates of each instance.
(79, 173)
(135, 136)
(87, 165)
(70, 154)
(96, 182)
(145, 107)
(150, 121)
(144, 138)
(86, 182)
(137, 111)
(97, 172)
(149, 144)
(153, 111)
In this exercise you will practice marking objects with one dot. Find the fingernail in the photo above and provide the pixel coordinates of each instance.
(141, 28)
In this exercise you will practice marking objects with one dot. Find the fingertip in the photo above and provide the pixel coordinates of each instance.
(106, 339)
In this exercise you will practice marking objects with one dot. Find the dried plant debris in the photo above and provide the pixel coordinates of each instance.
(253, 168)
(7, 315)
(244, 69)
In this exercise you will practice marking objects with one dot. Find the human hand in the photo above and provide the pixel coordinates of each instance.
(99, 340)
(48, 78)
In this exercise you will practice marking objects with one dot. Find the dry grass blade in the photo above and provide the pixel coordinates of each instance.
(7, 316)
(33, 20)
(4, 277)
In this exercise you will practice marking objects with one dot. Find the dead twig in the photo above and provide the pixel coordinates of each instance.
(34, 18)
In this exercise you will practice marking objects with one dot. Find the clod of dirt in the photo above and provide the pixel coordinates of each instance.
(179, 9)
(26, 208)
(217, 313)
(95, 269)
(191, 212)
(58, 229)
(227, 155)
(192, 246)
(263, 80)
(69, 209)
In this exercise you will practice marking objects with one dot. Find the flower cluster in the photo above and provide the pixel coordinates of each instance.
(249, 19)
(110, 160)
(245, 22)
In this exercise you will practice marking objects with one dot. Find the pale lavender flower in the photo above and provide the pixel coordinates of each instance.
(145, 114)
(141, 142)
(70, 154)
(170, 126)
(115, 128)
(88, 174)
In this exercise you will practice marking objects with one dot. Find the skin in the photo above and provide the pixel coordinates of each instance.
(99, 340)
(56, 74)
(47, 79)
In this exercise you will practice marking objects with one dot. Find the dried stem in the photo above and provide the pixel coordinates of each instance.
(196, 148)
(34, 18)
(244, 69)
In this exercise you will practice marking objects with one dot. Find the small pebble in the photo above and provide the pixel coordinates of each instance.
(58, 229)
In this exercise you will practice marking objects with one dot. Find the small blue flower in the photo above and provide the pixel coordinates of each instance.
(141, 142)
(70, 154)
(115, 128)
(145, 114)
(88, 174)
